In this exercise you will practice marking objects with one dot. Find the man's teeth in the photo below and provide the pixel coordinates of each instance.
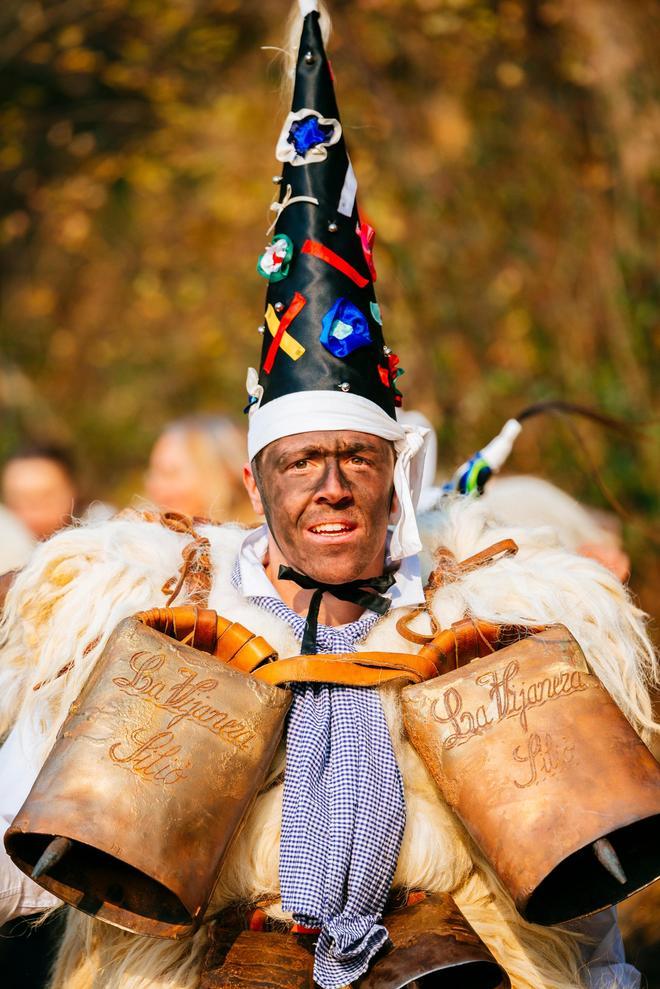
(331, 527)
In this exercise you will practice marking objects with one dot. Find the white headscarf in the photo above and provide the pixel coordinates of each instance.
(309, 411)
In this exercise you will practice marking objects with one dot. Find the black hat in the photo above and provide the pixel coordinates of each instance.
(322, 325)
(324, 363)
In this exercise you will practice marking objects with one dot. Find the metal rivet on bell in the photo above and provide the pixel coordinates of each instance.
(261, 329)
(277, 179)
(278, 307)
(332, 227)
(387, 351)
(344, 386)
(310, 58)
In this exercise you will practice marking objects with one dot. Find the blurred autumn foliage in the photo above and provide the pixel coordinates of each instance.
(507, 155)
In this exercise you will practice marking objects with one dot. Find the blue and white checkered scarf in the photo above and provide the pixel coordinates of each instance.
(343, 813)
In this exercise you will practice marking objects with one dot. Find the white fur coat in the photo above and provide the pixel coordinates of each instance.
(80, 584)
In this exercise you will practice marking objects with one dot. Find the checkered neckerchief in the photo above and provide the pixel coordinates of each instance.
(343, 813)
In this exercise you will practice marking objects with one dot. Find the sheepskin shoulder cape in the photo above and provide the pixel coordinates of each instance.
(84, 581)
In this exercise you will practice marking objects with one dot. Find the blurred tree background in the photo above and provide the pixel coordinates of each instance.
(508, 157)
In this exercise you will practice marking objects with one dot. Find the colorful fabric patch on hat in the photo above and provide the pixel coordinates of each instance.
(308, 133)
(325, 254)
(274, 262)
(389, 374)
(254, 389)
(375, 312)
(367, 236)
(345, 329)
(306, 137)
(291, 347)
(348, 192)
(288, 316)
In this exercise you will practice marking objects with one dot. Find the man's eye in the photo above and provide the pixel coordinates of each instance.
(358, 460)
(300, 464)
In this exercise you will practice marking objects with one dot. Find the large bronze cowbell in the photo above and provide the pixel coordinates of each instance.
(152, 773)
(545, 772)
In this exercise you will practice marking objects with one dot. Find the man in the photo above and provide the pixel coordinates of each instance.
(334, 570)
(127, 561)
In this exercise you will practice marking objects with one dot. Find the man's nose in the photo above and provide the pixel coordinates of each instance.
(333, 488)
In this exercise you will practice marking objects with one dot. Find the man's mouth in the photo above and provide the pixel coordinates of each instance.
(341, 528)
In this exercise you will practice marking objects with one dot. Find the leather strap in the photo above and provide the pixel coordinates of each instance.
(196, 627)
(420, 638)
(505, 547)
(235, 645)
(203, 628)
(470, 639)
(448, 569)
(358, 669)
(242, 649)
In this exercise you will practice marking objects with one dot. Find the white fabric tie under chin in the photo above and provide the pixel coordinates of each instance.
(408, 470)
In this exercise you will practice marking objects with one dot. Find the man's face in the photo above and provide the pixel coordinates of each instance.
(39, 492)
(327, 498)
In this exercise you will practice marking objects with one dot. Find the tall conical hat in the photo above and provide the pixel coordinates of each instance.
(324, 362)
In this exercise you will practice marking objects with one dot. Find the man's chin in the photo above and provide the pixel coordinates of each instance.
(332, 566)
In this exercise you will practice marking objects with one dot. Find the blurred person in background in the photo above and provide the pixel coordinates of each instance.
(533, 501)
(196, 468)
(39, 487)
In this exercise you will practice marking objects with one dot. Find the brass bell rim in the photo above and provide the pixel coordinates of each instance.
(464, 973)
(635, 843)
(124, 917)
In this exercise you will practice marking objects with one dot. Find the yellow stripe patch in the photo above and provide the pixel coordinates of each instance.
(291, 347)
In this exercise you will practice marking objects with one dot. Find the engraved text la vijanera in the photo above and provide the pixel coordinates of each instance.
(158, 755)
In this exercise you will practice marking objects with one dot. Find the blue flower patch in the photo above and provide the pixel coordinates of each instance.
(308, 133)
(306, 136)
(345, 329)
